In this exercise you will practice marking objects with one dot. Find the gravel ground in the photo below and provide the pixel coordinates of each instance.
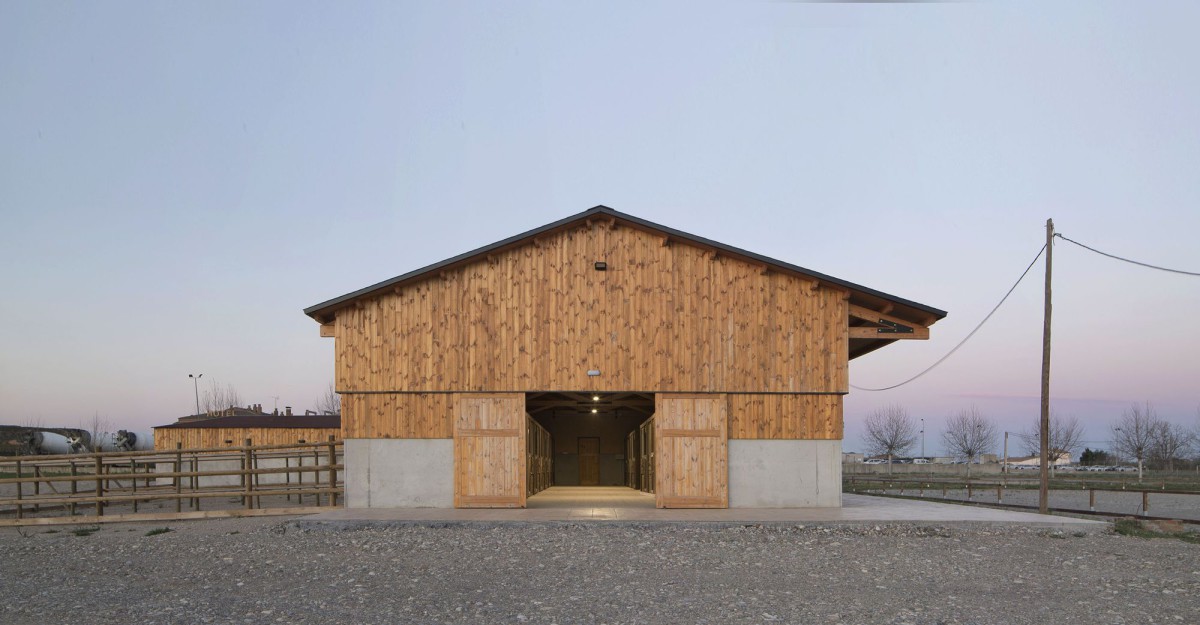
(265, 571)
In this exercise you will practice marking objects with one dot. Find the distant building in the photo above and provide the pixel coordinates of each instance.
(1035, 461)
(852, 457)
(232, 429)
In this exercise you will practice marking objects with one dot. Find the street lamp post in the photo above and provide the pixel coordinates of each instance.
(922, 438)
(196, 388)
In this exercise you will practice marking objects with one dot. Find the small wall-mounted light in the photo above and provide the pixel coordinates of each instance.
(601, 266)
(595, 398)
(593, 372)
(594, 411)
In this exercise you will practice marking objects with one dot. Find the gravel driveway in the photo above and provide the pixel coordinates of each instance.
(263, 571)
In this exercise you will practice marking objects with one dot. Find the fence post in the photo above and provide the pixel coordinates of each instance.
(20, 487)
(1092, 499)
(317, 473)
(133, 478)
(195, 482)
(74, 485)
(999, 495)
(99, 485)
(1145, 503)
(247, 483)
(257, 480)
(178, 478)
(287, 476)
(969, 492)
(332, 473)
(37, 486)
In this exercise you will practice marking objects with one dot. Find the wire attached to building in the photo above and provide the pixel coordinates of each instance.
(968, 337)
(1114, 256)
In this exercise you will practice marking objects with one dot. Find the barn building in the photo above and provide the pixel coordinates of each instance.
(603, 349)
(229, 430)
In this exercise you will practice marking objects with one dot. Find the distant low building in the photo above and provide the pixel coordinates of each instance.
(851, 457)
(1035, 461)
(209, 431)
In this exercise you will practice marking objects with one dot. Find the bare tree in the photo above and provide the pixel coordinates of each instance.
(217, 398)
(1169, 443)
(1133, 433)
(97, 431)
(329, 402)
(969, 435)
(890, 431)
(1065, 435)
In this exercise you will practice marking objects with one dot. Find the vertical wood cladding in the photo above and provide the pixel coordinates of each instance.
(430, 415)
(666, 316)
(489, 451)
(203, 438)
(398, 415)
(691, 451)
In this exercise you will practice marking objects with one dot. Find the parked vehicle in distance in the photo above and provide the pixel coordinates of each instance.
(1127, 469)
(921, 461)
(875, 461)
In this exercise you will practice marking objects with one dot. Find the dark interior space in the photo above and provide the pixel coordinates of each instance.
(589, 433)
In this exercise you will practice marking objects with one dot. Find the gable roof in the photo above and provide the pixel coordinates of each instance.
(322, 312)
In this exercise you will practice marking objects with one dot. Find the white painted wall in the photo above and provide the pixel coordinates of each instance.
(399, 473)
(785, 474)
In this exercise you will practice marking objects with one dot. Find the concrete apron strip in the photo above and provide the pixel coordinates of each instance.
(856, 510)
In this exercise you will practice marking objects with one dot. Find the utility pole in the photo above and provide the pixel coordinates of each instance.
(922, 438)
(1044, 490)
(1004, 467)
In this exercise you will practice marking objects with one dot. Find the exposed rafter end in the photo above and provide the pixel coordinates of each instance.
(327, 330)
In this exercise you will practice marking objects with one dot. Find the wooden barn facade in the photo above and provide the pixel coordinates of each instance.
(603, 349)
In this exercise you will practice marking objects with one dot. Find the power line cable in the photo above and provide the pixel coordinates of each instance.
(968, 337)
(1114, 256)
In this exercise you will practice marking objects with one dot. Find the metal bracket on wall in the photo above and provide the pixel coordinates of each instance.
(891, 327)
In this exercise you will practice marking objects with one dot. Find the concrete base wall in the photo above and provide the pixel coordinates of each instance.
(399, 473)
(785, 474)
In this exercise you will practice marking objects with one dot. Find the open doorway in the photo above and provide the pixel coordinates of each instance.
(596, 442)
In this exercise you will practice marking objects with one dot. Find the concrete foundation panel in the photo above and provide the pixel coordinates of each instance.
(400, 473)
(785, 474)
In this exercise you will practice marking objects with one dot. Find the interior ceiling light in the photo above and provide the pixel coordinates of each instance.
(595, 398)
(594, 411)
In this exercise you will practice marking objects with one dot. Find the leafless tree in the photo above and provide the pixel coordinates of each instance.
(890, 431)
(1065, 435)
(1133, 433)
(1170, 442)
(969, 435)
(217, 398)
(329, 402)
(97, 430)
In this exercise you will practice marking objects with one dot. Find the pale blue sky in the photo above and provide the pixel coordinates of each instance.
(178, 181)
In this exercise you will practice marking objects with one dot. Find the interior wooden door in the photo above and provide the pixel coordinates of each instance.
(589, 461)
(691, 437)
(489, 450)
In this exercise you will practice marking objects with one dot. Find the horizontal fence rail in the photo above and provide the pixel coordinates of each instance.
(111, 486)
(918, 488)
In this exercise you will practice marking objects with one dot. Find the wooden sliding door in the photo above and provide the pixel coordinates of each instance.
(691, 436)
(489, 450)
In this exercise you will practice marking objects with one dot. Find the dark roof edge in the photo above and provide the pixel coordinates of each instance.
(315, 310)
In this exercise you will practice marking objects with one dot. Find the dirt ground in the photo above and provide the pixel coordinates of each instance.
(264, 570)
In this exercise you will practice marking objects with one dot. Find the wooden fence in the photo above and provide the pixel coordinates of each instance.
(208, 482)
